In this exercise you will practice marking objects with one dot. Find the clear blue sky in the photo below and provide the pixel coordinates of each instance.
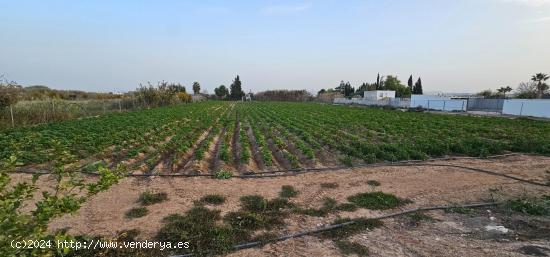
(455, 46)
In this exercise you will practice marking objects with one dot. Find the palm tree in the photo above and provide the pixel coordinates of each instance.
(540, 79)
(504, 90)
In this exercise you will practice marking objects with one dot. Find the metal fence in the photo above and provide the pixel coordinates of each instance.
(486, 105)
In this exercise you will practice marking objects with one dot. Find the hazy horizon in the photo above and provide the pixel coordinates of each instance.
(455, 46)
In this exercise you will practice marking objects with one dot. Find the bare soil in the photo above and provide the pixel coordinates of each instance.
(447, 235)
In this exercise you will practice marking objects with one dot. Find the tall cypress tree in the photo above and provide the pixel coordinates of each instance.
(417, 90)
(410, 83)
(378, 81)
(236, 90)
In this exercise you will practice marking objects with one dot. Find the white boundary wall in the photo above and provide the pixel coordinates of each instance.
(441, 103)
(527, 107)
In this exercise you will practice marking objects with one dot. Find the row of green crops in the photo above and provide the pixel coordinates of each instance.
(113, 134)
(295, 132)
(384, 135)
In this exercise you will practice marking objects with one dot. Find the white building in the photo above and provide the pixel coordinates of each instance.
(379, 94)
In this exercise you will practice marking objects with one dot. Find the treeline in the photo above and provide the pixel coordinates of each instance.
(283, 95)
(235, 91)
(535, 88)
(389, 82)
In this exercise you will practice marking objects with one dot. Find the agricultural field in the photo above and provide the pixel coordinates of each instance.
(247, 138)
(286, 179)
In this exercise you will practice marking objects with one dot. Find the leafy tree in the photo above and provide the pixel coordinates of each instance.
(504, 90)
(221, 92)
(540, 79)
(393, 83)
(348, 90)
(196, 88)
(322, 91)
(417, 88)
(527, 90)
(236, 90)
(410, 83)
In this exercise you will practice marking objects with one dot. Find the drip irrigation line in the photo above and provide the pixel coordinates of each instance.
(339, 225)
(294, 172)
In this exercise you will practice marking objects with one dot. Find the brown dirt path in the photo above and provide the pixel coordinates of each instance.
(426, 186)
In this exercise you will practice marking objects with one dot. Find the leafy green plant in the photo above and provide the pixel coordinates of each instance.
(70, 191)
(531, 206)
(223, 174)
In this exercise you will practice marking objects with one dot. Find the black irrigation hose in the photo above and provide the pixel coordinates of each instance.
(294, 172)
(335, 226)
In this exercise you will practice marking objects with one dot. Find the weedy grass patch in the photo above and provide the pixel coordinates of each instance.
(288, 192)
(347, 248)
(377, 200)
(213, 199)
(329, 185)
(149, 198)
(136, 212)
(358, 226)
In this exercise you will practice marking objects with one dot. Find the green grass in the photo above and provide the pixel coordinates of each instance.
(288, 191)
(212, 199)
(149, 198)
(377, 200)
(348, 248)
(136, 212)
